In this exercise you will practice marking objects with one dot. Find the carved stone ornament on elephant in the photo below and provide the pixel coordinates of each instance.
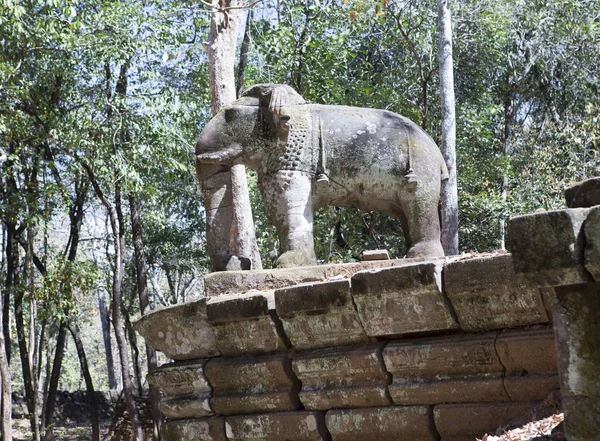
(310, 155)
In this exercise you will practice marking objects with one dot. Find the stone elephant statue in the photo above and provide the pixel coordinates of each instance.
(311, 155)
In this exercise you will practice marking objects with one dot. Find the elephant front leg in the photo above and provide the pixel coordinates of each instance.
(289, 206)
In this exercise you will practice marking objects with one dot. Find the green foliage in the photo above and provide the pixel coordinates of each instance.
(61, 283)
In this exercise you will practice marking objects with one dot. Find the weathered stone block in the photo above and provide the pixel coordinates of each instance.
(577, 332)
(205, 429)
(584, 193)
(246, 324)
(445, 370)
(319, 315)
(402, 300)
(486, 294)
(582, 418)
(592, 243)
(465, 422)
(233, 282)
(342, 377)
(548, 246)
(181, 332)
(253, 384)
(529, 357)
(375, 255)
(382, 424)
(184, 389)
(289, 426)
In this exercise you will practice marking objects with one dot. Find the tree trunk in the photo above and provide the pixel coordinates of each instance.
(54, 378)
(449, 193)
(510, 117)
(105, 321)
(89, 385)
(30, 391)
(5, 380)
(230, 226)
(241, 75)
(118, 325)
(142, 289)
(135, 355)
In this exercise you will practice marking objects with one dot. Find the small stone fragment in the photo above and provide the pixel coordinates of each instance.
(376, 255)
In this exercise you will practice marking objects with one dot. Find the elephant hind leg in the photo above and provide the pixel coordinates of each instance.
(423, 222)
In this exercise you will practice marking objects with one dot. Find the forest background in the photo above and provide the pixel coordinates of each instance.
(101, 103)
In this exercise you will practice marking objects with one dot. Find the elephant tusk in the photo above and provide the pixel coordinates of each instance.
(219, 157)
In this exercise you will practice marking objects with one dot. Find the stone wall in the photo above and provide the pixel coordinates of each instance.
(403, 350)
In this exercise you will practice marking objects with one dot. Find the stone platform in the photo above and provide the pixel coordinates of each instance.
(400, 350)
(403, 350)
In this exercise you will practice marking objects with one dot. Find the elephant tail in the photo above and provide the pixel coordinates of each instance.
(443, 168)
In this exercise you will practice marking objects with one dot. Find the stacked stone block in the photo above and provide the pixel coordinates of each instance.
(561, 249)
(385, 353)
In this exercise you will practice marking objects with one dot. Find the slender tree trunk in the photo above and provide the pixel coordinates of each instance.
(226, 226)
(33, 334)
(142, 289)
(117, 227)
(135, 355)
(5, 381)
(509, 121)
(53, 383)
(301, 48)
(449, 193)
(241, 75)
(105, 321)
(118, 324)
(89, 385)
(76, 214)
(30, 391)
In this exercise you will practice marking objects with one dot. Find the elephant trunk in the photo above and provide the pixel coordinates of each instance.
(224, 156)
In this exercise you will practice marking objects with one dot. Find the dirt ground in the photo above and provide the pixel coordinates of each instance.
(64, 430)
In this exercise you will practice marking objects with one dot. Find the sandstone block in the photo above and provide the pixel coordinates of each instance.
(584, 193)
(529, 357)
(246, 324)
(382, 424)
(205, 429)
(181, 332)
(376, 255)
(289, 426)
(577, 332)
(319, 315)
(445, 370)
(184, 390)
(233, 282)
(465, 422)
(582, 418)
(548, 246)
(486, 294)
(342, 377)
(253, 384)
(592, 243)
(402, 300)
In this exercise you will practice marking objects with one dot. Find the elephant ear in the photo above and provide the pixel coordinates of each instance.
(279, 104)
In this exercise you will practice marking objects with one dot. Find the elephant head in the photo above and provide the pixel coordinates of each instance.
(242, 131)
